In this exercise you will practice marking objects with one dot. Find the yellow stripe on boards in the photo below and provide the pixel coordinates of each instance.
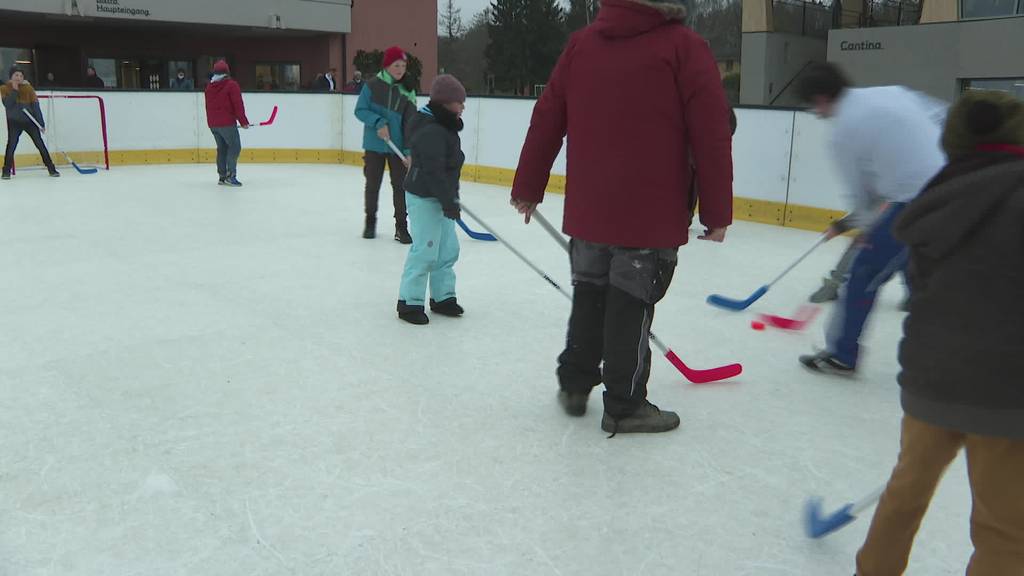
(746, 209)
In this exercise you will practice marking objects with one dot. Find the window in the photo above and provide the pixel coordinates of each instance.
(20, 57)
(106, 70)
(278, 76)
(990, 8)
(189, 82)
(1014, 86)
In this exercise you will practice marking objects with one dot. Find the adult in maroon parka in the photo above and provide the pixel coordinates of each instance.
(631, 149)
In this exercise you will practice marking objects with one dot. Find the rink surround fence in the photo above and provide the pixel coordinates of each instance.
(783, 173)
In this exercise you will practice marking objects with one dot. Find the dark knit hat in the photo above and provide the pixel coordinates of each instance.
(14, 70)
(392, 55)
(221, 67)
(447, 89)
(983, 117)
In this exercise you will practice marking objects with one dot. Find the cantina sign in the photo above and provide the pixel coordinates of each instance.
(859, 46)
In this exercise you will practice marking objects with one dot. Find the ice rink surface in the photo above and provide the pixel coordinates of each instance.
(201, 380)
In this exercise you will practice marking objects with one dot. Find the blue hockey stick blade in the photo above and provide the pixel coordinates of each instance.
(731, 304)
(476, 235)
(817, 526)
(85, 170)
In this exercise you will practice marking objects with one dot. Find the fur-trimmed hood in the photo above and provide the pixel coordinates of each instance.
(630, 18)
(670, 8)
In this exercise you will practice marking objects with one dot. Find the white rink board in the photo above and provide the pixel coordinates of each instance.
(814, 180)
(760, 154)
(493, 137)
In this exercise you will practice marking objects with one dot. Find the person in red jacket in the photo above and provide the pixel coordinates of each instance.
(628, 187)
(224, 112)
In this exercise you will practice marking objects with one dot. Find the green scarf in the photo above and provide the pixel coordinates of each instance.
(387, 79)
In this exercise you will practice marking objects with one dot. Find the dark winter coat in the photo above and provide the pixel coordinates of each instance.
(437, 156)
(17, 102)
(383, 101)
(224, 106)
(962, 354)
(94, 82)
(186, 84)
(629, 143)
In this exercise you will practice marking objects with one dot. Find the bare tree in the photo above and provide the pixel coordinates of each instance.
(450, 21)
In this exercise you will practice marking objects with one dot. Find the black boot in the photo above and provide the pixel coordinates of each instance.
(6, 175)
(574, 403)
(647, 419)
(370, 229)
(402, 235)
(447, 307)
(412, 314)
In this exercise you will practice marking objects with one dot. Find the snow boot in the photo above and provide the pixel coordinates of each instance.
(647, 419)
(447, 307)
(370, 228)
(402, 235)
(828, 292)
(826, 363)
(574, 403)
(412, 314)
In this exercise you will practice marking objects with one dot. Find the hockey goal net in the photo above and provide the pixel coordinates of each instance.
(76, 130)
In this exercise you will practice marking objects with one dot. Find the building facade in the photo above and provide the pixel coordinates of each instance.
(940, 47)
(270, 44)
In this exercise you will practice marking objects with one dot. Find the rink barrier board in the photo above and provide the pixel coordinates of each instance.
(746, 209)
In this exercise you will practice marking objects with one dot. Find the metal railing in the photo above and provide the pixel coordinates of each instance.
(803, 18)
(816, 18)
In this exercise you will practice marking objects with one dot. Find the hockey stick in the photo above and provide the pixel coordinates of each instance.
(474, 234)
(801, 319)
(65, 154)
(269, 121)
(693, 375)
(817, 525)
(733, 304)
(469, 232)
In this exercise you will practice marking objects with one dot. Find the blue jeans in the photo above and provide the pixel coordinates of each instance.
(229, 146)
(879, 256)
(434, 252)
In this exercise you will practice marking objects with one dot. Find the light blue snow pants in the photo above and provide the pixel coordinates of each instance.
(434, 252)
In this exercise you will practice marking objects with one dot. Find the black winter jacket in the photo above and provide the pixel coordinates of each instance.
(437, 156)
(962, 354)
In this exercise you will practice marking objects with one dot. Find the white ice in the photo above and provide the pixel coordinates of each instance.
(210, 381)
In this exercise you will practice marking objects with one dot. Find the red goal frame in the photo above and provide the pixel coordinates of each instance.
(103, 118)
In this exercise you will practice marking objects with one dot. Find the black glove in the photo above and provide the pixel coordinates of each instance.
(453, 212)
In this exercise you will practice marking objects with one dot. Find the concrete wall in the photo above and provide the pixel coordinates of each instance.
(771, 61)
(411, 24)
(314, 15)
(931, 58)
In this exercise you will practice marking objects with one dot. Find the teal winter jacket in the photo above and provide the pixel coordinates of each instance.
(383, 101)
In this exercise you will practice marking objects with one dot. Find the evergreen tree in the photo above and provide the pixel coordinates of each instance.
(526, 38)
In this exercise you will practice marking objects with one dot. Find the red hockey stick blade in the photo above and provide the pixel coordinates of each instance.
(273, 116)
(704, 376)
(803, 317)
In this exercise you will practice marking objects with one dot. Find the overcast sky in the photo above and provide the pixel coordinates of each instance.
(469, 7)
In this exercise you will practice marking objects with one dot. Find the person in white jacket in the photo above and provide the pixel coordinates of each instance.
(886, 143)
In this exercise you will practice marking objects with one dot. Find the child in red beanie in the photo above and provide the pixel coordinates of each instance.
(386, 103)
